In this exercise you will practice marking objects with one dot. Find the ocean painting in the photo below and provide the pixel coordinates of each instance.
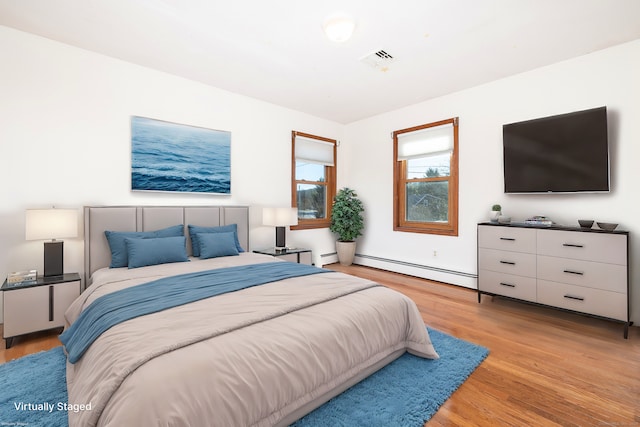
(168, 156)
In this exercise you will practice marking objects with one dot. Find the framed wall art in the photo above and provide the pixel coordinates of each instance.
(174, 157)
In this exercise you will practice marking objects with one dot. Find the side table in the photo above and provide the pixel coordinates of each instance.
(299, 255)
(38, 306)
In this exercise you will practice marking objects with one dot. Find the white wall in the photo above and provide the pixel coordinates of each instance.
(65, 141)
(608, 77)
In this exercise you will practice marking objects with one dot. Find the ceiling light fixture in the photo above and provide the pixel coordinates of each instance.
(339, 27)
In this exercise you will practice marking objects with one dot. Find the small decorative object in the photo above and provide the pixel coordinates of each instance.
(503, 219)
(607, 226)
(347, 222)
(538, 220)
(495, 212)
(22, 277)
(585, 223)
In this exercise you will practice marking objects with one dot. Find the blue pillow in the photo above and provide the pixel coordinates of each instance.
(118, 247)
(194, 230)
(161, 250)
(213, 245)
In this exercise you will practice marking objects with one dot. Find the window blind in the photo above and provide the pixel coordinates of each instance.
(425, 142)
(314, 151)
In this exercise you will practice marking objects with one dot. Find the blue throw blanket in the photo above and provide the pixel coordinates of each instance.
(151, 297)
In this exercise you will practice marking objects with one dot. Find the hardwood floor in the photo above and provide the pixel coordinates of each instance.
(29, 344)
(545, 367)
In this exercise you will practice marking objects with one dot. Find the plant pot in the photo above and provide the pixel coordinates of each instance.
(346, 252)
(493, 215)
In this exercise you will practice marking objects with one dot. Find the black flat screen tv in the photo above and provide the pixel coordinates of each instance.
(567, 153)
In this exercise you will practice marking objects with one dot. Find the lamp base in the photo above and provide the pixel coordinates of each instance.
(280, 237)
(53, 258)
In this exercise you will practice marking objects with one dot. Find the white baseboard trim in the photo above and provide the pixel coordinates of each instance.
(329, 258)
(467, 280)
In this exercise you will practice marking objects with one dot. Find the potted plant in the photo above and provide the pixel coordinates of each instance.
(496, 211)
(347, 222)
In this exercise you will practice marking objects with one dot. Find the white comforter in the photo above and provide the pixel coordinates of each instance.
(236, 359)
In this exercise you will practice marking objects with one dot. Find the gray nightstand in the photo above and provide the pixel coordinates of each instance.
(299, 255)
(38, 306)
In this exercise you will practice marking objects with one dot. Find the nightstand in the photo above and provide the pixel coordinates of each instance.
(38, 306)
(299, 255)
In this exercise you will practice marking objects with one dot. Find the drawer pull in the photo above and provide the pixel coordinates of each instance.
(574, 298)
(508, 238)
(579, 273)
(572, 245)
(51, 303)
(508, 284)
(508, 262)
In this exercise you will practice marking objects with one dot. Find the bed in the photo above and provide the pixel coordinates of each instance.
(283, 341)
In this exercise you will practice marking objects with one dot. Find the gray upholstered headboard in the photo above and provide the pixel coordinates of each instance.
(97, 219)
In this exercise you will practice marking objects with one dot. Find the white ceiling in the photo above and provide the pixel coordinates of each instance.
(276, 51)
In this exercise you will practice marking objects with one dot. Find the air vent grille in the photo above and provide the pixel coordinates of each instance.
(378, 59)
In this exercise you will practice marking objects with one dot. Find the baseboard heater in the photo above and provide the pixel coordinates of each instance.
(410, 264)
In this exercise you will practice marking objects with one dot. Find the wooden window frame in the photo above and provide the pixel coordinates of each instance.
(330, 183)
(399, 187)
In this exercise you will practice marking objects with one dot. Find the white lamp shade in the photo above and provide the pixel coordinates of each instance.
(44, 224)
(280, 217)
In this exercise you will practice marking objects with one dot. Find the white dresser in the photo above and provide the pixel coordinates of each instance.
(582, 270)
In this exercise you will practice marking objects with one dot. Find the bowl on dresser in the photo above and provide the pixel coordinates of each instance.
(607, 225)
(585, 223)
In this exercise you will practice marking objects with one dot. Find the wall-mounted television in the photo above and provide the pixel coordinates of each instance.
(566, 153)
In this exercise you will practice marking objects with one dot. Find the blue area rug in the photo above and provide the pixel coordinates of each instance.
(37, 378)
(405, 393)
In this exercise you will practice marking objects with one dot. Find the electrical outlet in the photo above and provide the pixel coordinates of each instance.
(435, 253)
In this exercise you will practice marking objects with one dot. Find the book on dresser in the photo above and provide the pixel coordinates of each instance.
(581, 270)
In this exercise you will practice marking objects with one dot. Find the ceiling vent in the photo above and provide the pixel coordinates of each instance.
(379, 59)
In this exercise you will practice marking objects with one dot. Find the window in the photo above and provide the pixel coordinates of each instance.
(313, 179)
(425, 170)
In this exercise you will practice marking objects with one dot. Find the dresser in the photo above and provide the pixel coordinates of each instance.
(581, 270)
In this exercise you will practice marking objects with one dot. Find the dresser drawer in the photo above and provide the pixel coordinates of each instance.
(599, 247)
(585, 300)
(518, 263)
(507, 238)
(509, 285)
(609, 277)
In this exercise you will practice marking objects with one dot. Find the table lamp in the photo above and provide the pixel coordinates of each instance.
(44, 224)
(280, 218)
